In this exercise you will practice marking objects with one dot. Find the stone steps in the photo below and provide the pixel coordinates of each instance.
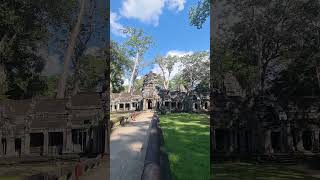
(284, 159)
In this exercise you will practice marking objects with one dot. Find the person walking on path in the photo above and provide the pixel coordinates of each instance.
(78, 169)
(133, 116)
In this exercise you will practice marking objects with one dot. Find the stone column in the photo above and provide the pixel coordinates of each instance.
(231, 141)
(10, 146)
(1, 146)
(236, 148)
(300, 147)
(106, 142)
(316, 140)
(289, 139)
(267, 142)
(22, 147)
(45, 142)
(26, 144)
(67, 140)
(214, 145)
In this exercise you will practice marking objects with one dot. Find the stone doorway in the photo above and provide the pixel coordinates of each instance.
(55, 142)
(275, 141)
(36, 143)
(149, 104)
(307, 140)
(17, 145)
(220, 140)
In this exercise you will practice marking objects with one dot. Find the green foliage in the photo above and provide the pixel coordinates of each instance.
(24, 30)
(120, 64)
(297, 81)
(166, 65)
(138, 84)
(198, 14)
(52, 82)
(195, 76)
(264, 36)
(91, 72)
(137, 41)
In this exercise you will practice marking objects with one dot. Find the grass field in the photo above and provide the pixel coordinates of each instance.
(10, 178)
(187, 138)
(244, 171)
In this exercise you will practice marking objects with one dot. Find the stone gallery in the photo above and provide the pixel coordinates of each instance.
(153, 97)
(242, 125)
(52, 127)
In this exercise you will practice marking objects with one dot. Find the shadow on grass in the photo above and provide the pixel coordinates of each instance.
(187, 142)
(244, 171)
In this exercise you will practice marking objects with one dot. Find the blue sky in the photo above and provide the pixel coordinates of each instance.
(165, 20)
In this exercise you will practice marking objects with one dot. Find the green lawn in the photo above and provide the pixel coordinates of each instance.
(244, 171)
(10, 178)
(187, 142)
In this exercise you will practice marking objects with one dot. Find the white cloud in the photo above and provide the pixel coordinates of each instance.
(149, 11)
(179, 53)
(176, 4)
(115, 25)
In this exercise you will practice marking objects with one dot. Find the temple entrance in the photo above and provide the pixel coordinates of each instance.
(55, 142)
(275, 141)
(149, 104)
(307, 140)
(36, 143)
(205, 105)
(220, 140)
(17, 146)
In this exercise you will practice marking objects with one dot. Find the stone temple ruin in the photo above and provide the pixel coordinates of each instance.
(153, 97)
(240, 125)
(52, 127)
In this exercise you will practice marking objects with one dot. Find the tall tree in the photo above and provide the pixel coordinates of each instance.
(194, 76)
(138, 43)
(266, 33)
(24, 30)
(70, 50)
(120, 64)
(166, 65)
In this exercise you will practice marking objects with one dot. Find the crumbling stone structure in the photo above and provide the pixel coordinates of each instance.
(247, 125)
(152, 97)
(52, 127)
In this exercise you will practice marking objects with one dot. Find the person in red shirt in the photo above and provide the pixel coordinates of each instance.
(78, 169)
(133, 116)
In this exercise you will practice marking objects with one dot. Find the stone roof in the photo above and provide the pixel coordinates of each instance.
(49, 121)
(16, 107)
(50, 106)
(126, 97)
(86, 99)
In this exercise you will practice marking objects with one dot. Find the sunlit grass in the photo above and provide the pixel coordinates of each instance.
(187, 138)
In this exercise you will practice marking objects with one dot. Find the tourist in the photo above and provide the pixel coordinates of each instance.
(133, 116)
(78, 169)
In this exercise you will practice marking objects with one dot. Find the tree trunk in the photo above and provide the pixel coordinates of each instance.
(3, 80)
(136, 61)
(69, 52)
(318, 73)
(3, 39)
